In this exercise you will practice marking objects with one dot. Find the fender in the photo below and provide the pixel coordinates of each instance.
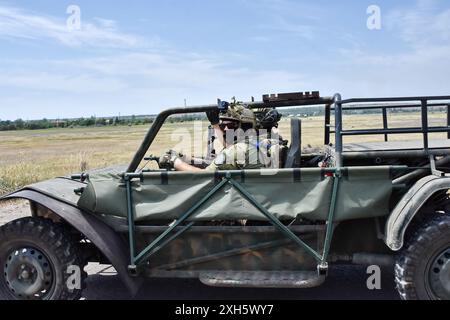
(409, 205)
(100, 234)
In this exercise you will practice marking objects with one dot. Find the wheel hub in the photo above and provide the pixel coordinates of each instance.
(28, 274)
(440, 275)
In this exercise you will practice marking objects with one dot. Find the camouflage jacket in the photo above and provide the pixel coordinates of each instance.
(239, 156)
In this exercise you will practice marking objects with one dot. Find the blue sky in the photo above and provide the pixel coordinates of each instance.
(139, 57)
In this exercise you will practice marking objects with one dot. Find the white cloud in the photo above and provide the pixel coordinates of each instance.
(61, 82)
(147, 82)
(107, 23)
(260, 39)
(286, 17)
(146, 78)
(289, 9)
(19, 24)
(417, 64)
(282, 25)
(421, 24)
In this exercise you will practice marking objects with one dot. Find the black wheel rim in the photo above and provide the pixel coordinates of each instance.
(439, 275)
(28, 274)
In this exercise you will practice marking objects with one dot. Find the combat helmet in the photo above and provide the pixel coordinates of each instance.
(238, 111)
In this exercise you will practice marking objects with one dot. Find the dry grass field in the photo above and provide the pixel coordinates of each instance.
(30, 156)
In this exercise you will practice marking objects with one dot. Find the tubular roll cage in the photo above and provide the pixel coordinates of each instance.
(335, 104)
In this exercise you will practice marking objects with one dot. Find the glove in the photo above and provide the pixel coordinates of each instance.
(167, 160)
(213, 116)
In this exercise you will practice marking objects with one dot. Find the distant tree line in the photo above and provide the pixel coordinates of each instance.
(20, 124)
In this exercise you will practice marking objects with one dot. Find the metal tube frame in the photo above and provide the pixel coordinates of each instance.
(448, 120)
(327, 124)
(385, 124)
(338, 130)
(340, 105)
(332, 103)
(162, 117)
(163, 239)
(337, 105)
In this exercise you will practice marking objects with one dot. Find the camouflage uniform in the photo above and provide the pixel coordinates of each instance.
(241, 155)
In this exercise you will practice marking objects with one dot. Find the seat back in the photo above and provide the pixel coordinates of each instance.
(272, 153)
(293, 159)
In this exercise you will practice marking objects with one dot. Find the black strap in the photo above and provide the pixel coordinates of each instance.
(217, 176)
(297, 175)
(164, 178)
(322, 174)
(242, 176)
(344, 172)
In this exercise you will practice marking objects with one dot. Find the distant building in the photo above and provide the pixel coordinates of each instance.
(58, 123)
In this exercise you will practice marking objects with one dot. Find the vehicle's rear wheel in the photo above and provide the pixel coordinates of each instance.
(422, 270)
(36, 256)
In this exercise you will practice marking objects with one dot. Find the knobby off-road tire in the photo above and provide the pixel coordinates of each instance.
(422, 270)
(35, 255)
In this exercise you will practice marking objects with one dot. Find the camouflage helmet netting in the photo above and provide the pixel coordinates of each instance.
(239, 112)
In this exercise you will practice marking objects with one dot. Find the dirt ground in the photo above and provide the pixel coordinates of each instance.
(13, 210)
(103, 283)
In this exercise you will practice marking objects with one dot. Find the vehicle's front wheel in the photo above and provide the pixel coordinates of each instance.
(37, 258)
(422, 270)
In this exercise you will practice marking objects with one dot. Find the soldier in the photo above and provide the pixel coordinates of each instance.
(234, 126)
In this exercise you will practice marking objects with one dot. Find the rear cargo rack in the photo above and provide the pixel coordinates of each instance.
(383, 104)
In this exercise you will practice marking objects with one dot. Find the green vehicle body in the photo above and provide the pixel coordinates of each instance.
(297, 219)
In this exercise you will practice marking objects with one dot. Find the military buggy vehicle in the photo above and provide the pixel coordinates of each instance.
(384, 203)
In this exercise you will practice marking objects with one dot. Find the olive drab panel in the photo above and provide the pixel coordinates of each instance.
(287, 194)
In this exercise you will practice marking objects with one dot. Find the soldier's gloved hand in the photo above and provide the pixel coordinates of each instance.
(213, 116)
(167, 160)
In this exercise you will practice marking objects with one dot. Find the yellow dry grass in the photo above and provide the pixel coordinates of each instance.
(31, 156)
